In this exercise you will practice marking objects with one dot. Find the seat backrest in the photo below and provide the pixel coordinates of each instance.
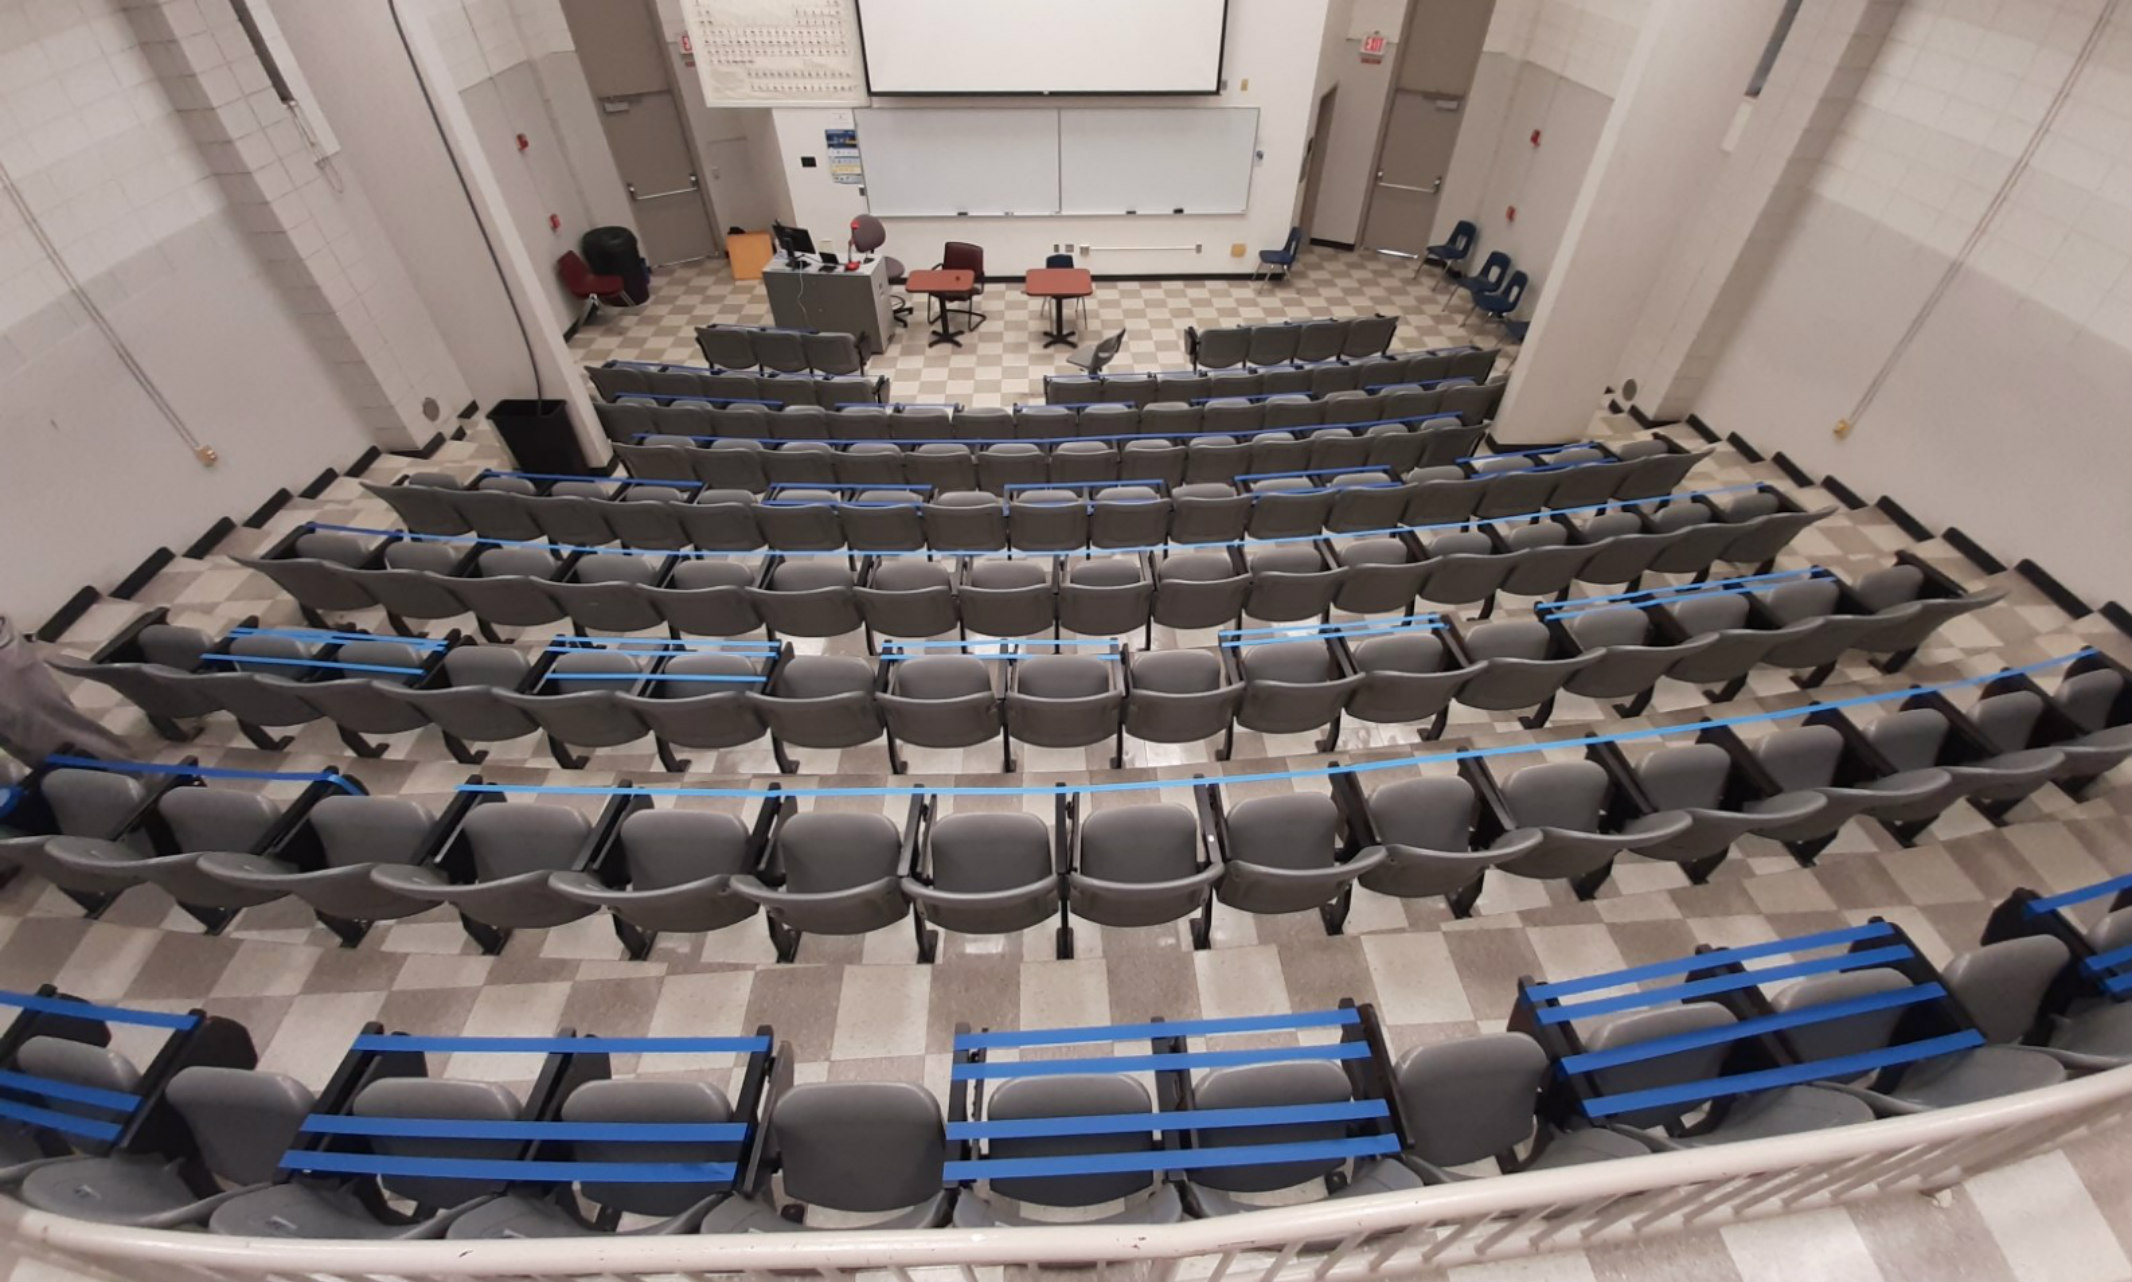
(498, 666)
(1812, 599)
(1519, 639)
(1714, 613)
(868, 233)
(977, 853)
(533, 563)
(1270, 1086)
(1062, 676)
(1694, 1064)
(2008, 719)
(1073, 1095)
(1911, 739)
(341, 549)
(859, 1146)
(625, 1102)
(2001, 985)
(369, 830)
(422, 1097)
(1297, 831)
(1610, 625)
(2090, 697)
(1560, 794)
(80, 1064)
(1850, 1034)
(1691, 777)
(92, 803)
(1886, 589)
(1469, 1099)
(509, 838)
(961, 256)
(174, 647)
(217, 818)
(1147, 843)
(242, 1120)
(666, 848)
(1802, 757)
(1401, 653)
(827, 852)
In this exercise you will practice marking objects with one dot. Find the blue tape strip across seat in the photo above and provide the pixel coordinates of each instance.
(1281, 776)
(2053, 903)
(1341, 1017)
(49, 1088)
(2110, 960)
(662, 643)
(565, 1045)
(1723, 984)
(103, 1014)
(653, 676)
(1716, 957)
(310, 663)
(445, 1128)
(1198, 1119)
(315, 634)
(989, 1071)
(203, 772)
(2117, 985)
(1326, 629)
(1410, 420)
(1333, 636)
(65, 1123)
(1659, 1047)
(1791, 1075)
(459, 1168)
(1170, 1160)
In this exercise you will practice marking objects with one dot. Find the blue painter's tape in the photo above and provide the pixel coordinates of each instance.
(65, 1123)
(1723, 984)
(564, 1045)
(1839, 1066)
(1342, 1017)
(310, 663)
(1197, 1119)
(49, 1088)
(2110, 960)
(1171, 1160)
(455, 1168)
(101, 1014)
(1821, 1013)
(447, 1128)
(1156, 1063)
(1716, 957)
(2053, 903)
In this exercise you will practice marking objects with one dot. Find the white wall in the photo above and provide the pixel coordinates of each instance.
(2006, 417)
(1274, 48)
(95, 477)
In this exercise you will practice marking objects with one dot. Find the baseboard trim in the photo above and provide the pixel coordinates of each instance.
(68, 615)
(1910, 525)
(1346, 246)
(1974, 550)
(2061, 596)
(1844, 493)
(2119, 617)
(142, 573)
(211, 540)
(268, 509)
(472, 408)
(1646, 422)
(1702, 429)
(319, 484)
(427, 451)
(1748, 452)
(362, 463)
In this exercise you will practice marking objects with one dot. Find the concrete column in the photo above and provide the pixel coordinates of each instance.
(1660, 150)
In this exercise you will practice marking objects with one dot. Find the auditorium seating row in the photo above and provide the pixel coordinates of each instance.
(1053, 693)
(1459, 364)
(632, 417)
(334, 571)
(1290, 342)
(617, 379)
(782, 351)
(528, 864)
(1299, 1106)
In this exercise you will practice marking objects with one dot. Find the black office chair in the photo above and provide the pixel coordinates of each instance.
(1094, 356)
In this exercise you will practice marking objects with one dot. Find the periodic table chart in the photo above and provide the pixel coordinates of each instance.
(794, 52)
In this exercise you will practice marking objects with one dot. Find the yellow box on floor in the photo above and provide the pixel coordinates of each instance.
(748, 251)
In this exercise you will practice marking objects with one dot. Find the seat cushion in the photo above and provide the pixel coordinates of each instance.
(2103, 1031)
(1986, 1072)
(1786, 1112)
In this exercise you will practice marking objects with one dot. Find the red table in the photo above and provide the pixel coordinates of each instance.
(1059, 284)
(938, 283)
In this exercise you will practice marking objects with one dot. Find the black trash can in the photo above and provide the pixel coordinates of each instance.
(539, 436)
(613, 251)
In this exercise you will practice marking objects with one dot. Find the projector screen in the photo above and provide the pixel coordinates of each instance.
(1043, 46)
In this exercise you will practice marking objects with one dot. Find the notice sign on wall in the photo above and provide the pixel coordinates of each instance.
(844, 165)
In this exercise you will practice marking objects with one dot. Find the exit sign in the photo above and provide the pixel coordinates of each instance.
(1373, 48)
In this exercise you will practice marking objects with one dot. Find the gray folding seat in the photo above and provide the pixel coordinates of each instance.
(497, 508)
(832, 393)
(832, 353)
(160, 685)
(198, 820)
(783, 350)
(884, 521)
(1290, 854)
(983, 874)
(1333, 448)
(1047, 520)
(939, 701)
(509, 848)
(1701, 782)
(697, 701)
(91, 804)
(1274, 451)
(1155, 461)
(1738, 646)
(1445, 442)
(966, 521)
(1630, 661)
(2093, 700)
(1271, 344)
(1584, 478)
(265, 694)
(1405, 680)
(1178, 696)
(468, 705)
(1216, 459)
(510, 588)
(675, 876)
(988, 423)
(1476, 403)
(626, 420)
(1138, 1197)
(870, 463)
(351, 835)
(1211, 1191)
(1071, 389)
(1475, 1100)
(1142, 865)
(1179, 388)
(793, 463)
(945, 466)
(1521, 664)
(575, 703)
(869, 422)
(1353, 406)
(1655, 475)
(1427, 831)
(1757, 542)
(1233, 415)
(1075, 463)
(1220, 348)
(863, 1149)
(1289, 506)
(675, 1207)
(842, 876)
(1546, 562)
(1065, 701)
(1384, 575)
(1128, 516)
(1514, 491)
(1327, 380)
(1289, 410)
(573, 514)
(1919, 738)
(818, 701)
(1698, 537)
(1106, 421)
(721, 521)
(1200, 589)
(1566, 803)
(1293, 582)
(1365, 501)
(1106, 597)
(648, 516)
(800, 520)
(1286, 380)
(1003, 598)
(1408, 403)
(808, 597)
(2090, 1036)
(707, 597)
(1464, 568)
(354, 702)
(908, 597)
(1909, 618)
(727, 346)
(1045, 424)
(1394, 446)
(1012, 463)
(1369, 336)
(1811, 758)
(1443, 495)
(1208, 512)
(605, 592)
(1291, 687)
(1622, 549)
(317, 575)
(425, 502)
(922, 423)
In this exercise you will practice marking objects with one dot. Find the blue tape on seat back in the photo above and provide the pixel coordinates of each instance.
(445, 1128)
(2052, 903)
(1838, 1066)
(1341, 1017)
(102, 1014)
(989, 1071)
(493, 1171)
(202, 772)
(1821, 1013)
(1209, 1119)
(564, 1045)
(1722, 984)
(316, 634)
(2110, 960)
(2117, 985)
(117, 1101)
(311, 663)
(1171, 1160)
(64, 1123)
(1716, 957)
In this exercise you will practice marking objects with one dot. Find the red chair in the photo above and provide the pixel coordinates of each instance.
(589, 286)
(963, 256)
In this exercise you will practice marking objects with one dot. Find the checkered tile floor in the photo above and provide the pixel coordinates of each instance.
(861, 1009)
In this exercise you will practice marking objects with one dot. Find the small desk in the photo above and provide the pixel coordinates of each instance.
(1059, 284)
(938, 282)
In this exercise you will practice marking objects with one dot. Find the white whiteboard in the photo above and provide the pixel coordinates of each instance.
(1043, 46)
(1156, 160)
(933, 161)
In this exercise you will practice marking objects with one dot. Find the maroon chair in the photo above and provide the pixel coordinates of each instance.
(588, 286)
(965, 257)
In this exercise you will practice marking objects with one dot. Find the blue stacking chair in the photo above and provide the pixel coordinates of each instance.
(1455, 250)
(1504, 301)
(1283, 258)
(1495, 270)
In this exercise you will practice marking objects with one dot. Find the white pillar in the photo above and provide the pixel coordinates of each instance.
(1663, 142)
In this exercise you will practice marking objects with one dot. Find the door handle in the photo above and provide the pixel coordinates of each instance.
(1430, 190)
(695, 184)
